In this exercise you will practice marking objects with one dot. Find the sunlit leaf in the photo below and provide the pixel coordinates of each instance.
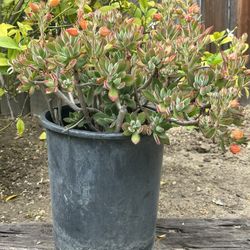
(20, 127)
(143, 4)
(4, 27)
(3, 62)
(8, 43)
(2, 92)
(105, 9)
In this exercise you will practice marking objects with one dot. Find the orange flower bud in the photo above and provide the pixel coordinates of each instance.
(237, 134)
(234, 103)
(34, 7)
(235, 149)
(157, 16)
(54, 3)
(129, 20)
(104, 31)
(72, 31)
(84, 24)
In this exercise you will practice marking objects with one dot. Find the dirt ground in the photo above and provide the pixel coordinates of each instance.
(198, 180)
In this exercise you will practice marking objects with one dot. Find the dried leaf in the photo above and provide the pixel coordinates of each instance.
(42, 136)
(11, 197)
(162, 236)
(218, 202)
(163, 183)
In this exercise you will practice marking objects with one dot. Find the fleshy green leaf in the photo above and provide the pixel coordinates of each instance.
(149, 96)
(103, 119)
(142, 117)
(113, 94)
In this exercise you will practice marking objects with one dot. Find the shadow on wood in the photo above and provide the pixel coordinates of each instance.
(171, 234)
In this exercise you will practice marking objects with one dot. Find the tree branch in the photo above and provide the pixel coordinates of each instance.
(183, 123)
(137, 99)
(190, 122)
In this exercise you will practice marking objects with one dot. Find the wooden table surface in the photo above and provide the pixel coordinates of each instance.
(171, 234)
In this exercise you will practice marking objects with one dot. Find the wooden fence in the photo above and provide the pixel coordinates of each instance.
(221, 14)
(227, 14)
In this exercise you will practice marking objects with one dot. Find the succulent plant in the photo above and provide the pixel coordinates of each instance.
(121, 75)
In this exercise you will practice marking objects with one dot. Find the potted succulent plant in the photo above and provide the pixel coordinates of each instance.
(128, 79)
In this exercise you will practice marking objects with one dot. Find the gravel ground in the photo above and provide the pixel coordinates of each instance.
(198, 180)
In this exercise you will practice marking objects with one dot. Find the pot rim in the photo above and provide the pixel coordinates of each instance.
(48, 125)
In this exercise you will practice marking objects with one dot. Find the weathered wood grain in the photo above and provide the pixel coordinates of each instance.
(179, 234)
(216, 13)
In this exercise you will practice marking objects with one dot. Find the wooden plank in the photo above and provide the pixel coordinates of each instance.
(206, 234)
(243, 23)
(232, 14)
(23, 237)
(179, 234)
(243, 19)
(216, 14)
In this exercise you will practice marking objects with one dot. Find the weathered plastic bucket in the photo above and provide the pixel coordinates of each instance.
(104, 189)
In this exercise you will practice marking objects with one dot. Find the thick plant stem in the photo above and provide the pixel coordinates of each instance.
(64, 98)
(184, 123)
(120, 118)
(82, 100)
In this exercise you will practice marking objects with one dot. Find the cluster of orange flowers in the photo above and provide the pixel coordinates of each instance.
(104, 31)
(237, 135)
(35, 7)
